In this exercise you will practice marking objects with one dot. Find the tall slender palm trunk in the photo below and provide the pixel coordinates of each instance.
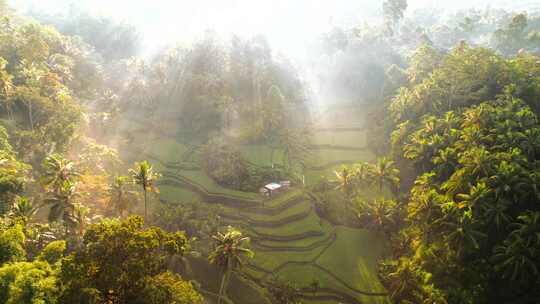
(145, 208)
(31, 116)
(223, 285)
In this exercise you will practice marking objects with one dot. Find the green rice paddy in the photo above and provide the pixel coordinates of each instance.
(290, 240)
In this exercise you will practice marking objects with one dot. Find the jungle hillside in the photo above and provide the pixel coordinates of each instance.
(265, 152)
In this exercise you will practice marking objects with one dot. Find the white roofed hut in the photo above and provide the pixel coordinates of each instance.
(273, 188)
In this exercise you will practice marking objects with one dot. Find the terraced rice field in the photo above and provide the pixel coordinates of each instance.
(291, 242)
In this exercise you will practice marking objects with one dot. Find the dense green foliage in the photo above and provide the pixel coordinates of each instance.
(469, 131)
(121, 262)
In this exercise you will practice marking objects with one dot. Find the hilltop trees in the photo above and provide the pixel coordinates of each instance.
(393, 11)
(121, 262)
(516, 35)
(117, 262)
(33, 281)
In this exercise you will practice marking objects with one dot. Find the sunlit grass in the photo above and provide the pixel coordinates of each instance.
(261, 155)
(355, 139)
(325, 157)
(301, 207)
(353, 258)
(167, 150)
(304, 275)
(201, 178)
(173, 194)
(310, 223)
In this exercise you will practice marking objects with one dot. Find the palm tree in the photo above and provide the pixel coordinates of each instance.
(362, 172)
(58, 170)
(62, 203)
(118, 194)
(23, 208)
(144, 175)
(463, 233)
(80, 219)
(477, 194)
(402, 276)
(345, 177)
(385, 172)
(497, 213)
(380, 213)
(228, 254)
(515, 258)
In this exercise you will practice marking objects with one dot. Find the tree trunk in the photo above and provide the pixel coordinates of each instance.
(145, 209)
(222, 287)
(31, 116)
(272, 157)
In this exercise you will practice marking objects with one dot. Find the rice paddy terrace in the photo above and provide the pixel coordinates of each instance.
(291, 242)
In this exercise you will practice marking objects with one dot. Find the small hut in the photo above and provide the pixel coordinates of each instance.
(271, 189)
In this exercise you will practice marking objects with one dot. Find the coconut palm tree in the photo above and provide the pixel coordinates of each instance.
(380, 213)
(497, 213)
(62, 203)
(23, 208)
(385, 172)
(144, 175)
(515, 258)
(403, 282)
(80, 219)
(463, 234)
(228, 254)
(479, 193)
(58, 170)
(119, 194)
(362, 172)
(345, 178)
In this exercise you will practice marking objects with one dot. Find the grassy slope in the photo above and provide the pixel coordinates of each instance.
(355, 139)
(175, 194)
(261, 155)
(358, 252)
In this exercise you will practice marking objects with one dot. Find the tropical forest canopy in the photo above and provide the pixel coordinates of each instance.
(405, 151)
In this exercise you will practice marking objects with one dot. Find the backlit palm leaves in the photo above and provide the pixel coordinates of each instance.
(144, 175)
(62, 203)
(380, 174)
(380, 213)
(229, 254)
(385, 172)
(58, 170)
(23, 208)
(344, 177)
(119, 193)
(476, 195)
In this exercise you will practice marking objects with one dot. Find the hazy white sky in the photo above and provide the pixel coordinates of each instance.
(284, 22)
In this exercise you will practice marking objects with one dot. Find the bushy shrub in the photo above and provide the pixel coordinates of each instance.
(11, 244)
(228, 167)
